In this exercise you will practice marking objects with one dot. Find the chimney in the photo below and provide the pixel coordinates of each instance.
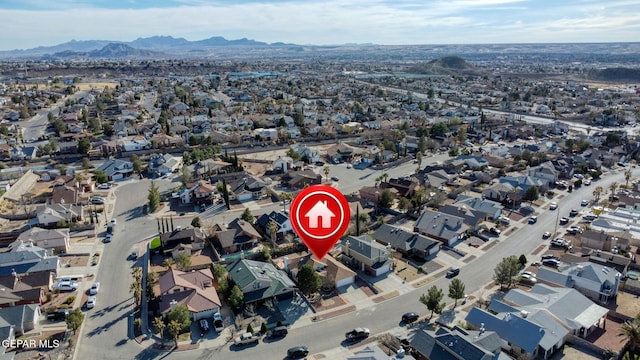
(286, 263)
(345, 248)
(481, 328)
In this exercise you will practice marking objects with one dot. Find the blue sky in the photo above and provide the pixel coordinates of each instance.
(31, 23)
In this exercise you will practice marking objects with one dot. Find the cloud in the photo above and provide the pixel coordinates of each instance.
(323, 22)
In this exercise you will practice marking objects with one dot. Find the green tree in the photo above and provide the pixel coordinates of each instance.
(386, 198)
(174, 329)
(187, 175)
(403, 203)
(136, 289)
(84, 145)
(308, 279)
(180, 313)
(107, 129)
(293, 154)
(86, 163)
(136, 162)
(506, 271)
(456, 290)
(183, 260)
(531, 194)
(74, 320)
(158, 323)
(235, 298)
(433, 300)
(326, 170)
(153, 197)
(247, 216)
(196, 222)
(219, 272)
(627, 177)
(630, 333)
(522, 260)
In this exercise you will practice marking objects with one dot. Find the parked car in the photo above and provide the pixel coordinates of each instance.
(95, 287)
(546, 235)
(505, 220)
(204, 325)
(104, 186)
(560, 242)
(573, 230)
(246, 339)
(277, 332)
(66, 285)
(584, 202)
(98, 200)
(529, 273)
(91, 302)
(573, 212)
(553, 206)
(564, 220)
(548, 256)
(108, 238)
(335, 178)
(218, 323)
(495, 231)
(453, 272)
(357, 334)
(113, 221)
(297, 352)
(58, 315)
(533, 220)
(586, 182)
(410, 317)
(526, 279)
(551, 262)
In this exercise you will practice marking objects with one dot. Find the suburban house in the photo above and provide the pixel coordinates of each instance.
(442, 227)
(545, 172)
(116, 169)
(26, 259)
(405, 186)
(65, 195)
(162, 164)
(191, 236)
(597, 282)
(280, 218)
(364, 253)
(283, 164)
(300, 179)
(332, 272)
(21, 318)
(54, 239)
(194, 289)
(260, 281)
(491, 209)
(405, 242)
(52, 214)
(247, 188)
(24, 289)
(198, 192)
(133, 144)
(458, 344)
(600, 240)
(238, 235)
(502, 193)
(370, 194)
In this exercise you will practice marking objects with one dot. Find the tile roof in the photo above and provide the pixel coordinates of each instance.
(198, 294)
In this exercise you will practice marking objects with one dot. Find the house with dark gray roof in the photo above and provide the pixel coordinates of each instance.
(236, 236)
(260, 281)
(191, 236)
(364, 253)
(247, 188)
(27, 258)
(442, 227)
(490, 209)
(406, 242)
(280, 218)
(458, 344)
(117, 169)
(597, 282)
(22, 318)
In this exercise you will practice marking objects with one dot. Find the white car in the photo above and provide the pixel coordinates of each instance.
(104, 186)
(546, 235)
(553, 206)
(114, 221)
(66, 285)
(584, 203)
(91, 302)
(95, 287)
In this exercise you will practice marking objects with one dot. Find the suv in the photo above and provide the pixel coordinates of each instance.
(357, 334)
(453, 272)
(573, 212)
(204, 325)
(97, 200)
(533, 220)
(297, 352)
(280, 331)
(218, 324)
(58, 315)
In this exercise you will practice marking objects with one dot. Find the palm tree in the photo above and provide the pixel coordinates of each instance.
(174, 329)
(284, 197)
(378, 180)
(326, 171)
(630, 332)
(597, 192)
(627, 177)
(273, 228)
(136, 289)
(136, 272)
(169, 262)
(385, 176)
(613, 187)
(159, 324)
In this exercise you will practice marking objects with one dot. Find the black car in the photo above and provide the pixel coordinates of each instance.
(410, 317)
(297, 352)
(58, 315)
(453, 272)
(277, 332)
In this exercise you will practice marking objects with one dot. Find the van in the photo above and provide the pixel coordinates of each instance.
(276, 332)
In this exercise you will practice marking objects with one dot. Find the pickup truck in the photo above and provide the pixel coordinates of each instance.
(246, 339)
(357, 334)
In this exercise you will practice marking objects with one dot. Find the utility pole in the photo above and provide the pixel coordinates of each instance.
(555, 231)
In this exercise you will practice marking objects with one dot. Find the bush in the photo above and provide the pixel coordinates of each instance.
(70, 300)
(250, 328)
(263, 328)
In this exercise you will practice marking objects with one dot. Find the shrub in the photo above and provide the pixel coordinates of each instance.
(250, 328)
(263, 328)
(70, 300)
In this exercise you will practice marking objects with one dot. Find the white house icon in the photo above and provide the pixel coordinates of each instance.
(321, 210)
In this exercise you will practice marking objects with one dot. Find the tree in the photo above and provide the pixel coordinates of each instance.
(613, 187)
(225, 194)
(137, 163)
(273, 229)
(84, 145)
(419, 157)
(180, 313)
(293, 154)
(326, 170)
(136, 289)
(174, 330)
(403, 203)
(630, 332)
(627, 177)
(100, 176)
(456, 290)
(506, 270)
(235, 298)
(107, 129)
(74, 319)
(531, 194)
(183, 261)
(247, 216)
(159, 324)
(169, 263)
(522, 260)
(308, 279)
(386, 198)
(153, 197)
(196, 222)
(597, 192)
(187, 175)
(433, 300)
(86, 163)
(219, 272)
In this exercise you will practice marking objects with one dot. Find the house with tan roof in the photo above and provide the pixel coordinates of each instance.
(55, 239)
(332, 272)
(193, 289)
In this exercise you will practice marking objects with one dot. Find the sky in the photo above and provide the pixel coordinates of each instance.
(30, 23)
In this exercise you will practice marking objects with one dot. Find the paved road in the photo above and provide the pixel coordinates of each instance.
(37, 125)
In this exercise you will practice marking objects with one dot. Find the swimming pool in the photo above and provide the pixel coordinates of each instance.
(632, 275)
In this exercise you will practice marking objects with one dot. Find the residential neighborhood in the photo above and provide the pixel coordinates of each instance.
(492, 216)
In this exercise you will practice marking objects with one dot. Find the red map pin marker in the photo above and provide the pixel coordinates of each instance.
(320, 215)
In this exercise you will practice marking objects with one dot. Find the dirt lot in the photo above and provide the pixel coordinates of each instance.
(628, 304)
(74, 260)
(406, 272)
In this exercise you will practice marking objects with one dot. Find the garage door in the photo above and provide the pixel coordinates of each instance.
(117, 176)
(208, 314)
